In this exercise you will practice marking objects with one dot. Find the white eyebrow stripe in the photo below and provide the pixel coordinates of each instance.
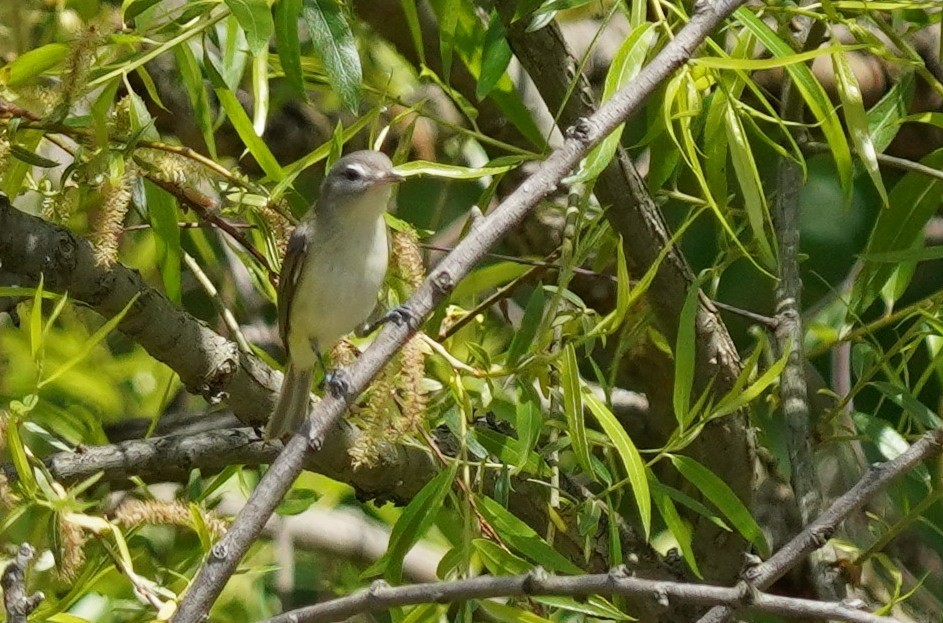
(358, 168)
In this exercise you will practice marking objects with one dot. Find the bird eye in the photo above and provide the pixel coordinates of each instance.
(353, 174)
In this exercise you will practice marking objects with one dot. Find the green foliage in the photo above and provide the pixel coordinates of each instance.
(186, 142)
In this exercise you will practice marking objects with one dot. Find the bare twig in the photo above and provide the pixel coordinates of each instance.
(381, 596)
(205, 207)
(892, 161)
(231, 323)
(816, 533)
(583, 136)
(16, 602)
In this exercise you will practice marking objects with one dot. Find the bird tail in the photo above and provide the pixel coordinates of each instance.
(292, 406)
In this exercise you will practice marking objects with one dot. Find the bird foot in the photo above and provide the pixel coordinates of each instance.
(399, 316)
(337, 383)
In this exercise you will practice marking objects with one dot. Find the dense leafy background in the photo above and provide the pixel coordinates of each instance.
(142, 125)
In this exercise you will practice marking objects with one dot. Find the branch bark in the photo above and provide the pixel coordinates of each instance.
(816, 533)
(208, 364)
(381, 596)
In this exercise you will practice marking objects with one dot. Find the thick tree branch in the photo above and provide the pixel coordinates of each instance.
(816, 533)
(634, 215)
(208, 364)
(226, 554)
(381, 596)
(793, 386)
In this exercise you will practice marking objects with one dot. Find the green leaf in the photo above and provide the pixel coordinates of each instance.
(736, 399)
(135, 8)
(243, 125)
(31, 158)
(911, 202)
(495, 57)
(448, 23)
(722, 496)
(162, 213)
(522, 537)
(921, 413)
(191, 77)
(856, 119)
(36, 320)
(415, 28)
(416, 519)
(530, 323)
(594, 606)
(335, 45)
(628, 454)
(20, 460)
(748, 177)
(297, 501)
(814, 95)
(684, 356)
(90, 343)
(885, 117)
(499, 561)
(287, 13)
(256, 19)
(625, 66)
(453, 172)
(529, 423)
(509, 614)
(676, 526)
(573, 408)
(33, 63)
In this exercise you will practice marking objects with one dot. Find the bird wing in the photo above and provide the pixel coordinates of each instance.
(290, 276)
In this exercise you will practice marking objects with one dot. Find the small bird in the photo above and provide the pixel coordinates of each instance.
(332, 272)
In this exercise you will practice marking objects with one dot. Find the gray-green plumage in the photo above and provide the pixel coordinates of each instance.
(332, 271)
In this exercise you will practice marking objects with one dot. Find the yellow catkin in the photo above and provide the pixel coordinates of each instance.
(176, 513)
(72, 541)
(116, 197)
(396, 403)
(81, 59)
(279, 225)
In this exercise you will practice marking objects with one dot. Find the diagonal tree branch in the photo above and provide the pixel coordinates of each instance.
(814, 535)
(581, 137)
(633, 214)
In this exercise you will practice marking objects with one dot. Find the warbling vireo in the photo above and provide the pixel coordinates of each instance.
(332, 271)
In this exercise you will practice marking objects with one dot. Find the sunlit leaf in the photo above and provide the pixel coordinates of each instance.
(813, 94)
(256, 19)
(521, 537)
(33, 63)
(243, 125)
(629, 456)
(416, 519)
(856, 119)
(722, 496)
(573, 407)
(676, 526)
(336, 47)
(89, 344)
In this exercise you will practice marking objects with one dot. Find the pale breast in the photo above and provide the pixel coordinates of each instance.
(338, 287)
